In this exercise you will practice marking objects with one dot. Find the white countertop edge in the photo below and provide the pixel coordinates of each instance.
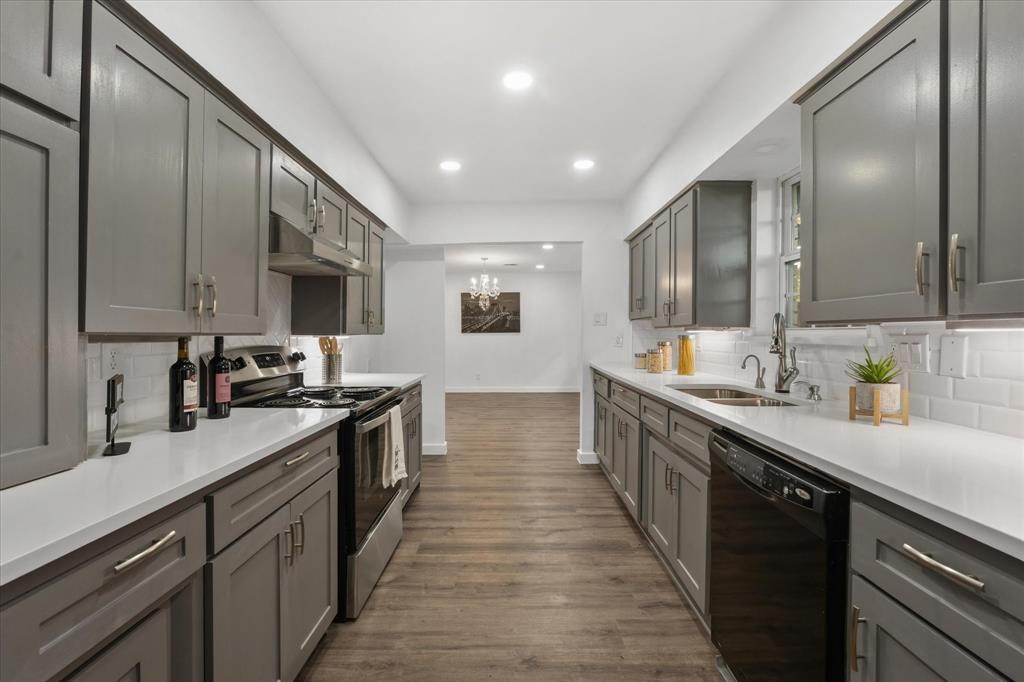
(979, 530)
(401, 381)
(54, 548)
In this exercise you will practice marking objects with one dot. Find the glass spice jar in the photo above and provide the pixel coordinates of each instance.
(654, 361)
(639, 360)
(666, 355)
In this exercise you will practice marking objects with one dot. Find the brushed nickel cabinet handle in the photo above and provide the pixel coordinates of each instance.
(323, 216)
(289, 546)
(855, 620)
(148, 552)
(672, 483)
(920, 276)
(667, 470)
(926, 560)
(211, 284)
(954, 262)
(296, 460)
(200, 287)
(300, 543)
(312, 218)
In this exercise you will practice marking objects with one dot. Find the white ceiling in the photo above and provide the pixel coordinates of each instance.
(419, 82)
(565, 257)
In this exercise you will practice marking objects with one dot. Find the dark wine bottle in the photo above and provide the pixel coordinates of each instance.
(184, 391)
(218, 382)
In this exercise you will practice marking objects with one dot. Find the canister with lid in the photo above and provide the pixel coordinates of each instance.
(654, 361)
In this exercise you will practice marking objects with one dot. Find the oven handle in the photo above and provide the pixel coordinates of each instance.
(373, 424)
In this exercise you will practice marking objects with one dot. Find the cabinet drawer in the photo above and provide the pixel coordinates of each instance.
(240, 505)
(987, 620)
(49, 628)
(412, 399)
(627, 399)
(601, 385)
(654, 415)
(689, 434)
(144, 650)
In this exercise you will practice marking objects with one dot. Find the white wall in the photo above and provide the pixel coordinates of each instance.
(804, 37)
(543, 357)
(236, 42)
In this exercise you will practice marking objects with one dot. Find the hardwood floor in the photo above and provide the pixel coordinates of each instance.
(517, 564)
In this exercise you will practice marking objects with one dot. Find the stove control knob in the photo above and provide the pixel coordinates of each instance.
(298, 356)
(238, 363)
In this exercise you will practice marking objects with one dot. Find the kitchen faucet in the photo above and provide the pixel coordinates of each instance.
(760, 372)
(784, 374)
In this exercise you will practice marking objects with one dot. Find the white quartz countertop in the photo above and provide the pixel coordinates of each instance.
(43, 520)
(968, 480)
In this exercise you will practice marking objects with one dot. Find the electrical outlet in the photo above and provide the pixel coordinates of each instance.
(953, 356)
(912, 351)
(618, 341)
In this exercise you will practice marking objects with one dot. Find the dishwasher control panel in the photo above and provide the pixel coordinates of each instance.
(770, 478)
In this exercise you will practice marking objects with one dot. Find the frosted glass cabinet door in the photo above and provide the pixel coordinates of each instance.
(38, 295)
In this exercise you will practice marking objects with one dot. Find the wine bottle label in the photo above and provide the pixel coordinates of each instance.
(222, 388)
(190, 395)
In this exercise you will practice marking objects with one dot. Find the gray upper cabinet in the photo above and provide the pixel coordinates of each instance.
(641, 275)
(375, 282)
(679, 254)
(355, 288)
(143, 242)
(664, 284)
(294, 191)
(39, 401)
(331, 216)
(985, 272)
(871, 176)
(236, 220)
(41, 52)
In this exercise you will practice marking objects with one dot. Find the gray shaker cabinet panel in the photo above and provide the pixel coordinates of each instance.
(626, 459)
(641, 275)
(664, 274)
(143, 243)
(312, 575)
(870, 145)
(247, 605)
(142, 655)
(375, 282)
(689, 556)
(721, 275)
(293, 192)
(602, 428)
(415, 452)
(38, 296)
(331, 216)
(661, 503)
(893, 644)
(236, 222)
(356, 311)
(986, 158)
(681, 218)
(41, 52)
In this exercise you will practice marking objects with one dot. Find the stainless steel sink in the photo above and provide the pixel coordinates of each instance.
(733, 396)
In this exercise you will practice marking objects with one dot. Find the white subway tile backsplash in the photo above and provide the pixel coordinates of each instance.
(919, 405)
(987, 391)
(1017, 396)
(1002, 420)
(954, 412)
(136, 388)
(1002, 364)
(931, 385)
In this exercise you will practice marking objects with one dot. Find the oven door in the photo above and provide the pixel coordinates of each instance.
(371, 498)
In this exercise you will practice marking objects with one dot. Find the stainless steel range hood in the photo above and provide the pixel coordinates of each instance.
(295, 251)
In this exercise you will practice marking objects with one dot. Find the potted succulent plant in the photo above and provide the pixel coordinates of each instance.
(872, 375)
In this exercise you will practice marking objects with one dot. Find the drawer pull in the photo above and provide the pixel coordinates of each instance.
(296, 460)
(919, 557)
(855, 620)
(148, 552)
(300, 542)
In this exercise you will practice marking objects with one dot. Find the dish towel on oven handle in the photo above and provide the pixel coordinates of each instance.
(394, 458)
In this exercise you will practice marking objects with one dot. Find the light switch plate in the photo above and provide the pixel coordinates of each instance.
(953, 356)
(912, 351)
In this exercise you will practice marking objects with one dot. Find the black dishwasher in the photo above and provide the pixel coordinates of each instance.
(778, 565)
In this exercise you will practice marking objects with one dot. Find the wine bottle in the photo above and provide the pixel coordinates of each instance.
(218, 382)
(184, 391)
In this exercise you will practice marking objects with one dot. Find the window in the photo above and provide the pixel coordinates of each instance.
(790, 252)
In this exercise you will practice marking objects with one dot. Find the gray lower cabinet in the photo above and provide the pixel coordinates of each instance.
(143, 654)
(625, 447)
(641, 275)
(39, 401)
(661, 505)
(888, 642)
(293, 192)
(602, 431)
(871, 181)
(411, 432)
(41, 52)
(375, 282)
(985, 271)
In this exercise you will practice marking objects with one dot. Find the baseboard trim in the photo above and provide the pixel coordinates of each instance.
(586, 457)
(435, 449)
(512, 389)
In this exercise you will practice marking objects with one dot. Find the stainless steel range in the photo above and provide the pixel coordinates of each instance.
(370, 526)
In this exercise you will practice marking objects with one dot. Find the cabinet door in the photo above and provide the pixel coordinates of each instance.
(721, 278)
(617, 447)
(664, 284)
(39, 399)
(236, 222)
(871, 182)
(41, 52)
(293, 191)
(626, 459)
(601, 431)
(143, 654)
(641, 275)
(681, 228)
(689, 487)
(375, 282)
(247, 604)
(661, 507)
(407, 428)
(986, 158)
(331, 216)
(143, 232)
(312, 575)
(891, 643)
(356, 311)
(416, 450)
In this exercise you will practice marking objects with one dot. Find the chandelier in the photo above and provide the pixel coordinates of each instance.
(486, 291)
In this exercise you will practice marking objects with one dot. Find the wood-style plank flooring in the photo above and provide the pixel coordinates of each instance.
(517, 564)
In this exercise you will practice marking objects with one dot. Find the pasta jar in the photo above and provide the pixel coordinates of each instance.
(639, 360)
(687, 355)
(666, 355)
(654, 361)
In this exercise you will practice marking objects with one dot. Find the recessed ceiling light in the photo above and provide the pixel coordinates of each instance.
(539, 266)
(450, 166)
(517, 80)
(548, 247)
(583, 164)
